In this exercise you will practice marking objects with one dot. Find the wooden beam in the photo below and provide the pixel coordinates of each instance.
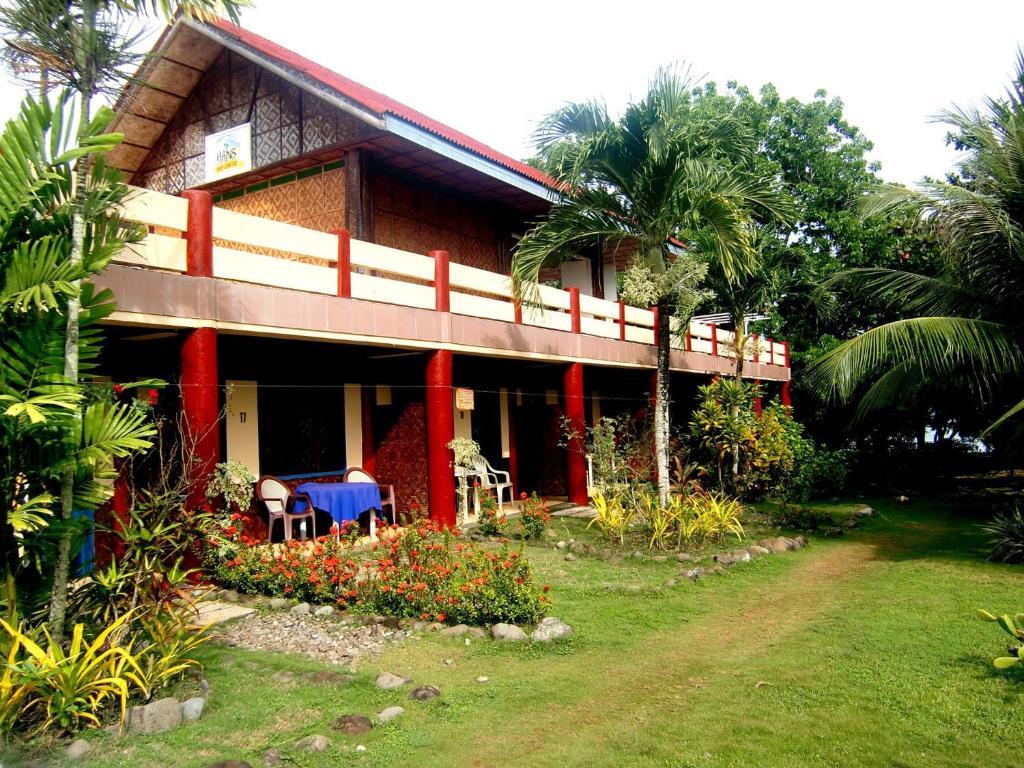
(358, 205)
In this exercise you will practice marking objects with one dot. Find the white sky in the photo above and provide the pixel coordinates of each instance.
(493, 69)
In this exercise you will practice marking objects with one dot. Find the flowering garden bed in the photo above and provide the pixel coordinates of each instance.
(419, 571)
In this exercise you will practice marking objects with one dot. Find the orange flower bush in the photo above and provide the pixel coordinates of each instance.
(421, 571)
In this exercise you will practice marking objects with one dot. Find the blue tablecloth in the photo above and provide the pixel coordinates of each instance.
(342, 501)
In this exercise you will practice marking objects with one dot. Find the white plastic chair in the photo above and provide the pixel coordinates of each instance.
(277, 498)
(360, 475)
(492, 479)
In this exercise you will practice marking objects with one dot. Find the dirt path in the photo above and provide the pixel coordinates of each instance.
(667, 668)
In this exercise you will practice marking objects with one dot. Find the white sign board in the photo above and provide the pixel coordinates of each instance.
(229, 152)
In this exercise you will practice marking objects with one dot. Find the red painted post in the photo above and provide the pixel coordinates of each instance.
(199, 233)
(785, 352)
(344, 262)
(757, 399)
(787, 395)
(369, 445)
(200, 405)
(576, 461)
(517, 307)
(513, 448)
(442, 292)
(689, 338)
(714, 339)
(622, 321)
(440, 431)
(574, 308)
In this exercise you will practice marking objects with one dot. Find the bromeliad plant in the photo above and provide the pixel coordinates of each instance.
(1014, 627)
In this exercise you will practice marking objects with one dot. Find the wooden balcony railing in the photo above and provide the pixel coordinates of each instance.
(255, 250)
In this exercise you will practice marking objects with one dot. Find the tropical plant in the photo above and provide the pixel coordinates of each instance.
(63, 690)
(1006, 532)
(1014, 627)
(533, 516)
(959, 329)
(85, 46)
(232, 482)
(715, 515)
(488, 523)
(611, 517)
(658, 174)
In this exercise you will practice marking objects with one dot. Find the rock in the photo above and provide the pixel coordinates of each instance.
(850, 522)
(360, 747)
(457, 631)
(419, 626)
(352, 725)
(834, 532)
(389, 681)
(316, 743)
(902, 500)
(482, 679)
(864, 511)
(684, 557)
(284, 677)
(777, 545)
(507, 633)
(273, 757)
(800, 541)
(230, 764)
(160, 715)
(302, 609)
(639, 555)
(476, 632)
(695, 573)
(204, 686)
(570, 557)
(329, 677)
(724, 558)
(740, 556)
(228, 596)
(324, 611)
(756, 550)
(435, 627)
(389, 714)
(77, 749)
(551, 628)
(192, 709)
(550, 533)
(561, 545)
(424, 693)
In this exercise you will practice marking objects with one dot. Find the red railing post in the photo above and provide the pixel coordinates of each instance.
(199, 233)
(517, 308)
(689, 338)
(622, 321)
(714, 339)
(344, 262)
(442, 293)
(574, 308)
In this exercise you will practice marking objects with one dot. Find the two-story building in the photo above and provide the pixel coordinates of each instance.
(326, 267)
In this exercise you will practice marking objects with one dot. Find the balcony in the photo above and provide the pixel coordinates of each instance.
(271, 278)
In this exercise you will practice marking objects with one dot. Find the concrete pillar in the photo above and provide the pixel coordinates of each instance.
(440, 431)
(200, 404)
(199, 233)
(575, 415)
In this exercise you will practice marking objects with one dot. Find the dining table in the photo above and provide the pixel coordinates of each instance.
(342, 501)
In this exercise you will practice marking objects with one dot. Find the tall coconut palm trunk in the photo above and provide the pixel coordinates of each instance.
(662, 401)
(740, 326)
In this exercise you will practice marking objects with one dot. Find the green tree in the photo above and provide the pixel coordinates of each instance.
(660, 173)
(83, 45)
(962, 326)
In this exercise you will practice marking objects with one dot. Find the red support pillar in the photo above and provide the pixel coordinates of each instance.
(199, 233)
(757, 398)
(200, 404)
(366, 429)
(344, 262)
(622, 321)
(714, 339)
(442, 292)
(513, 448)
(574, 309)
(787, 395)
(575, 415)
(440, 431)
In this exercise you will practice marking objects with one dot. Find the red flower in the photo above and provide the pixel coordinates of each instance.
(152, 396)
(546, 587)
(118, 389)
(523, 496)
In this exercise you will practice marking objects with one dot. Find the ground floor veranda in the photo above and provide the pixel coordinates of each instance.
(301, 408)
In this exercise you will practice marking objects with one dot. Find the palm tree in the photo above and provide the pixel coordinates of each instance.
(86, 46)
(962, 327)
(658, 174)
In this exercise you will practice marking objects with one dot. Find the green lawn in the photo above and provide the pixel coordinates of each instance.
(860, 650)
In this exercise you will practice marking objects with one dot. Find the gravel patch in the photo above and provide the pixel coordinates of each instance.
(321, 639)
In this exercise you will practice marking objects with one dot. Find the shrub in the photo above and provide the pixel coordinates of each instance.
(1006, 532)
(611, 517)
(489, 524)
(420, 571)
(1014, 627)
(802, 518)
(56, 689)
(233, 482)
(533, 516)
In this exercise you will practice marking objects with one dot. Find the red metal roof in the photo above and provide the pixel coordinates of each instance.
(378, 102)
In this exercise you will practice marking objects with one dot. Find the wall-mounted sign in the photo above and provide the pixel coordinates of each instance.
(464, 399)
(229, 152)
